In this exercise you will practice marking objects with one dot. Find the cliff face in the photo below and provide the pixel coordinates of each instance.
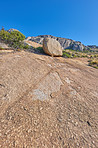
(65, 43)
(93, 47)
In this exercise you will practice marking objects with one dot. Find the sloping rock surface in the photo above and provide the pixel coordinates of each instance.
(47, 102)
(33, 44)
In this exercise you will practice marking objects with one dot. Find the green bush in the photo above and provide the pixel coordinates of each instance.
(4, 35)
(74, 55)
(68, 49)
(66, 54)
(40, 49)
(14, 38)
(1, 48)
(93, 63)
(26, 47)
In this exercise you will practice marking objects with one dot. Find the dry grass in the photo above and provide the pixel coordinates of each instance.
(73, 54)
(93, 62)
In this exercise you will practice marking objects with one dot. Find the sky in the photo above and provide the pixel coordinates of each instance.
(73, 19)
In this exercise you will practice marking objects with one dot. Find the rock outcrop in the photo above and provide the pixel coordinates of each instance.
(32, 44)
(52, 47)
(12, 29)
(65, 43)
(47, 102)
(93, 47)
(3, 45)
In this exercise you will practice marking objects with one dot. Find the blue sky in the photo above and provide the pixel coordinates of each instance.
(74, 19)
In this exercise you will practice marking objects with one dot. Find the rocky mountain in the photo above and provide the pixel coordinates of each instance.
(93, 47)
(65, 43)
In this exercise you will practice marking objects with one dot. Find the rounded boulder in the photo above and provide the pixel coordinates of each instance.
(52, 47)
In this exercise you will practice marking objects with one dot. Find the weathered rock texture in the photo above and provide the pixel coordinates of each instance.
(12, 29)
(65, 43)
(3, 45)
(52, 47)
(47, 102)
(33, 44)
(93, 47)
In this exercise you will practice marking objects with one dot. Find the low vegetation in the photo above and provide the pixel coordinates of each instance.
(93, 63)
(39, 49)
(93, 56)
(69, 53)
(13, 38)
(1, 48)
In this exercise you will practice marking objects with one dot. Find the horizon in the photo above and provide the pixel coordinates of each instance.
(67, 19)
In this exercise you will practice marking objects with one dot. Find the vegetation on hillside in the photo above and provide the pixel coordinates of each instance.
(1, 48)
(93, 62)
(39, 49)
(13, 38)
(69, 53)
(93, 56)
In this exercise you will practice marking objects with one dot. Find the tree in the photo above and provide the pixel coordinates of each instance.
(14, 38)
(4, 35)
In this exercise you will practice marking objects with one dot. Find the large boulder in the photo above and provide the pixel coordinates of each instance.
(52, 47)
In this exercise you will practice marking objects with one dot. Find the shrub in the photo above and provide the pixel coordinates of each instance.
(39, 49)
(14, 38)
(4, 35)
(18, 49)
(74, 55)
(26, 47)
(66, 54)
(93, 63)
(1, 48)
